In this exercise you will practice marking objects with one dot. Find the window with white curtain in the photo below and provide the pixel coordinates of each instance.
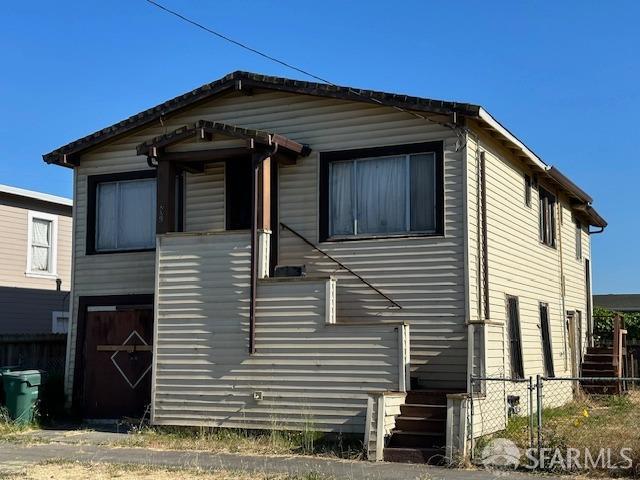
(383, 195)
(125, 215)
(42, 235)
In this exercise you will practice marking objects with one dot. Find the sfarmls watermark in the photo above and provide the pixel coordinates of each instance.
(501, 452)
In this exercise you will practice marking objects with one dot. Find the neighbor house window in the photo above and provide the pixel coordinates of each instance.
(578, 240)
(547, 217)
(527, 190)
(370, 193)
(59, 322)
(42, 236)
(122, 212)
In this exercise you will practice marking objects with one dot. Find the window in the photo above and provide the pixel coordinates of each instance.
(545, 330)
(527, 190)
(578, 240)
(547, 217)
(59, 322)
(382, 192)
(122, 212)
(42, 238)
(515, 339)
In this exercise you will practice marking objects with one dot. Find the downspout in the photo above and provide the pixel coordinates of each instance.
(485, 237)
(257, 160)
(559, 222)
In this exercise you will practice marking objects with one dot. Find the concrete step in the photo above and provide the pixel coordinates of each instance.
(410, 439)
(433, 456)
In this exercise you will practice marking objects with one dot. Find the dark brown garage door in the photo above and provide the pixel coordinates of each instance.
(117, 367)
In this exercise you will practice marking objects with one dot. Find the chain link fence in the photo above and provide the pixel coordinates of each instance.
(556, 424)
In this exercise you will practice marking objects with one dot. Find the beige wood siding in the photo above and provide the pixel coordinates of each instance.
(519, 264)
(425, 275)
(204, 207)
(311, 374)
(14, 241)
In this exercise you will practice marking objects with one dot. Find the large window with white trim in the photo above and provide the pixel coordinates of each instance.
(42, 239)
(383, 195)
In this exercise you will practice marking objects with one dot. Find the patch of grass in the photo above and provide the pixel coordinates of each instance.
(590, 422)
(103, 471)
(9, 428)
(257, 442)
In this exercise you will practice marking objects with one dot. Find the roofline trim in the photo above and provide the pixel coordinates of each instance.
(44, 197)
(493, 123)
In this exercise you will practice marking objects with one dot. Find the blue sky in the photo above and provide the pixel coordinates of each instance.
(563, 76)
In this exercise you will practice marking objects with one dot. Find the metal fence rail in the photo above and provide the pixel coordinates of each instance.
(582, 418)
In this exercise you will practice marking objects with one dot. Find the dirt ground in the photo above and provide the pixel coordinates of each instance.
(104, 471)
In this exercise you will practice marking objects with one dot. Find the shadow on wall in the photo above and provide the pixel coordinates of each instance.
(29, 310)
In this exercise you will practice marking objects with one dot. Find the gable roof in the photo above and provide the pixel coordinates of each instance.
(43, 197)
(445, 112)
(620, 302)
(246, 81)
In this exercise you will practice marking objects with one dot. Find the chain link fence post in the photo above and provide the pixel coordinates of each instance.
(539, 412)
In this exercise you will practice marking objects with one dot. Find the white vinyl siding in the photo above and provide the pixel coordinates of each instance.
(306, 373)
(519, 264)
(424, 274)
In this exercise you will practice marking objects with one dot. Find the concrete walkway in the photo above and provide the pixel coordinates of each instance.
(91, 447)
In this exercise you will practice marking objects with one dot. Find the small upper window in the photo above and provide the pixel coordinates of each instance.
(578, 240)
(122, 212)
(59, 322)
(527, 190)
(41, 256)
(378, 195)
(547, 217)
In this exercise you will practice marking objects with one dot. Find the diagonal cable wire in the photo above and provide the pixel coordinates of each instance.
(288, 65)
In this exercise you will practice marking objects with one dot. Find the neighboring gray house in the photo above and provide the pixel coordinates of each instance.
(618, 302)
(35, 261)
(435, 245)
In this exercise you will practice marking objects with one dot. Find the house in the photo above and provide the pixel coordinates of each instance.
(618, 302)
(35, 254)
(263, 252)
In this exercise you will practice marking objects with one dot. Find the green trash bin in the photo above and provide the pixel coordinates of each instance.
(22, 389)
(4, 370)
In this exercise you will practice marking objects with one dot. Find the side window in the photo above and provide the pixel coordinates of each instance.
(42, 244)
(547, 350)
(515, 338)
(547, 217)
(59, 322)
(578, 240)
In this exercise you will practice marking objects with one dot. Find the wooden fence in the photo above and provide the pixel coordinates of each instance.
(34, 351)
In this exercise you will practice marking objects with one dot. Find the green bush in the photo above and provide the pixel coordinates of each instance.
(603, 323)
